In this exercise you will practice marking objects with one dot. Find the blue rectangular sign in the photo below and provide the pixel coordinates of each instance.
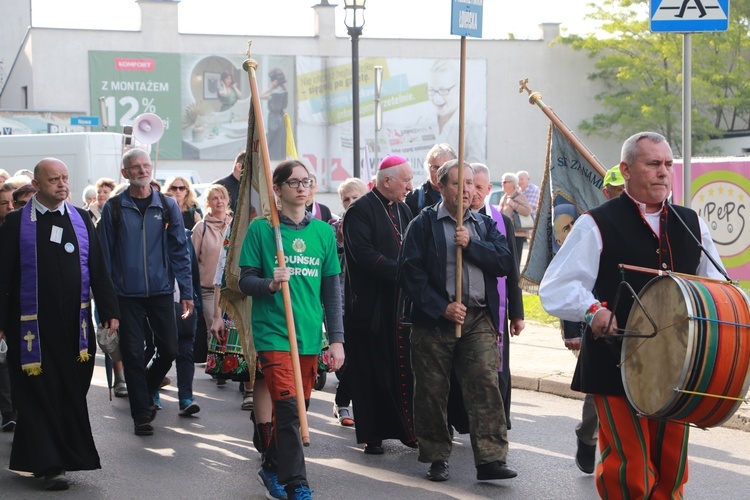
(466, 18)
(86, 121)
(689, 16)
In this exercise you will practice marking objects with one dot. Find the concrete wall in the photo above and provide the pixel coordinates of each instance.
(54, 65)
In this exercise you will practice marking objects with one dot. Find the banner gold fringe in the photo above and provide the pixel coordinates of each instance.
(32, 369)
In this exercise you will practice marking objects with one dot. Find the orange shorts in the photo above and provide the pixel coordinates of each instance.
(277, 369)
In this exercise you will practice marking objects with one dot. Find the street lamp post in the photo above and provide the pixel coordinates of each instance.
(378, 109)
(354, 20)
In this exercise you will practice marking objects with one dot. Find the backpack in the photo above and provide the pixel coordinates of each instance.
(116, 202)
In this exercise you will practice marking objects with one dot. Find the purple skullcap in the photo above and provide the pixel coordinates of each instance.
(391, 161)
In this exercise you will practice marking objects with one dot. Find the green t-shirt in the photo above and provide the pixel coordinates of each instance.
(311, 254)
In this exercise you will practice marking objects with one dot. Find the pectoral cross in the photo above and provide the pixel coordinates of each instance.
(83, 328)
(29, 337)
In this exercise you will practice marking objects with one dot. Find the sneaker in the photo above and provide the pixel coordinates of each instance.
(121, 390)
(9, 423)
(270, 480)
(247, 401)
(301, 492)
(157, 400)
(188, 407)
(344, 415)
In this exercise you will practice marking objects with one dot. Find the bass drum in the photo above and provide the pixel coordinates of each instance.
(697, 367)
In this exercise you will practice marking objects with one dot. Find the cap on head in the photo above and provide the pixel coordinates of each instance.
(613, 177)
(391, 161)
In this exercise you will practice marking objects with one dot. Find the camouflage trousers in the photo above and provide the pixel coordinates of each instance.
(474, 357)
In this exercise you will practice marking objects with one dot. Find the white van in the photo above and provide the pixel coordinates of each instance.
(88, 155)
(163, 174)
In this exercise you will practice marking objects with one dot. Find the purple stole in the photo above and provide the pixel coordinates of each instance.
(502, 289)
(31, 348)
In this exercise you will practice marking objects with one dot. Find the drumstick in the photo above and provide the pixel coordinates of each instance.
(660, 272)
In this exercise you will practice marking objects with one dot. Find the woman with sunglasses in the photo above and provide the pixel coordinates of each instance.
(184, 195)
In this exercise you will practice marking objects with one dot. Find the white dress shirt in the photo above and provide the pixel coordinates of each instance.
(566, 288)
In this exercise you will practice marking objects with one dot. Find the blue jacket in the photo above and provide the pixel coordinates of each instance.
(143, 256)
(422, 261)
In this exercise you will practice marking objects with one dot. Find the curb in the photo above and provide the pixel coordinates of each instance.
(559, 385)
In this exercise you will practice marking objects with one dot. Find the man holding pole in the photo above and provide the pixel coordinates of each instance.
(310, 271)
(428, 276)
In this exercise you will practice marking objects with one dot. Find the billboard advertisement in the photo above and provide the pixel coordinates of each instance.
(420, 99)
(720, 193)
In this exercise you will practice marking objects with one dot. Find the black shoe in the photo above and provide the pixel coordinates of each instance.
(495, 470)
(143, 426)
(438, 471)
(55, 481)
(374, 448)
(586, 457)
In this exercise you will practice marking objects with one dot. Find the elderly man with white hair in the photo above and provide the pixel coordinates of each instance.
(377, 349)
(428, 194)
(529, 190)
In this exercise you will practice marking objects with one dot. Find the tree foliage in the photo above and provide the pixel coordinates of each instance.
(641, 73)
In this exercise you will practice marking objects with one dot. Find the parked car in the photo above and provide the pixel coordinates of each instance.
(495, 195)
(201, 194)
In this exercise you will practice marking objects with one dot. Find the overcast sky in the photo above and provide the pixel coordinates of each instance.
(383, 18)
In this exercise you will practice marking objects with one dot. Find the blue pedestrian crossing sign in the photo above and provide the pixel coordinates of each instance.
(689, 16)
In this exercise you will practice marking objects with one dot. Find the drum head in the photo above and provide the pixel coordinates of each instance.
(652, 368)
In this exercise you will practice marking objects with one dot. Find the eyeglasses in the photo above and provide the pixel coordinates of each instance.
(144, 166)
(442, 92)
(177, 188)
(295, 183)
(19, 204)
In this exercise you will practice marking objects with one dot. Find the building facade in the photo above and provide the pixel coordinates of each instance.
(180, 77)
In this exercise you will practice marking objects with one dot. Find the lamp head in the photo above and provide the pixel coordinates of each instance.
(354, 14)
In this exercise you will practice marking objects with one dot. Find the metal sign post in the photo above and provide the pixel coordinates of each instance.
(686, 17)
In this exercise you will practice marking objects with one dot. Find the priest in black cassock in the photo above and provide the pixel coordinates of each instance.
(52, 262)
(378, 352)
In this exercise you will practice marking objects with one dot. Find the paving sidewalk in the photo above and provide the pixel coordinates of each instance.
(540, 362)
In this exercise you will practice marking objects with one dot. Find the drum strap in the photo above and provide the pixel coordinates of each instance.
(665, 255)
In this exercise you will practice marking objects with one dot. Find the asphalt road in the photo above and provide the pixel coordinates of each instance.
(211, 455)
